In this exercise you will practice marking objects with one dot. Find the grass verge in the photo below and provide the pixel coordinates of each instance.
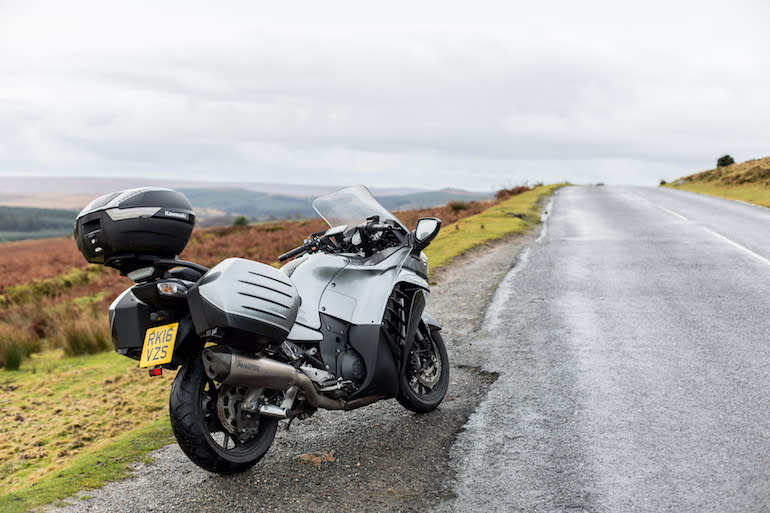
(517, 214)
(92, 469)
(748, 181)
(757, 194)
(72, 422)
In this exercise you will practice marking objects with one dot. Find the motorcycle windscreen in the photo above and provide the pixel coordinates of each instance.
(351, 206)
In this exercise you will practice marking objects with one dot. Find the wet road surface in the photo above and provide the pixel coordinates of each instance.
(633, 346)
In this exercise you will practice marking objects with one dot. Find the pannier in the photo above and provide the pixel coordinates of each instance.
(243, 303)
(134, 223)
(130, 319)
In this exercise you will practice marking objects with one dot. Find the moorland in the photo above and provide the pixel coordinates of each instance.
(74, 414)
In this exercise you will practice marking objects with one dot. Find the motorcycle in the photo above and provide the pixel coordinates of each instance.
(340, 326)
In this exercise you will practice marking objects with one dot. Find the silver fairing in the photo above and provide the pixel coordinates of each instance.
(349, 288)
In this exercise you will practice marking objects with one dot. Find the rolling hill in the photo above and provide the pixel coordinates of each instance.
(17, 223)
(31, 215)
(263, 206)
(747, 181)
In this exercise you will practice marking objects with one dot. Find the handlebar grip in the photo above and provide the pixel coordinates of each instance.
(377, 227)
(294, 252)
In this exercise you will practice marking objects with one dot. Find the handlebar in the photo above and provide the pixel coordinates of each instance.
(377, 227)
(294, 252)
(318, 240)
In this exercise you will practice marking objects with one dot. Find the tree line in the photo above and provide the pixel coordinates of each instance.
(23, 219)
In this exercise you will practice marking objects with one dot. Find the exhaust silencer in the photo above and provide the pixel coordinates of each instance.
(226, 366)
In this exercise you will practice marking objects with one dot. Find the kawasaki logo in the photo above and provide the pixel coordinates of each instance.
(178, 215)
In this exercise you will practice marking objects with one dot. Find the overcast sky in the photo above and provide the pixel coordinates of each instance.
(475, 94)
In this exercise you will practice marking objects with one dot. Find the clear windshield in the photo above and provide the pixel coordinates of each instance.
(351, 206)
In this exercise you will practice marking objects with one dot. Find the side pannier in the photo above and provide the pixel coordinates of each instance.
(243, 303)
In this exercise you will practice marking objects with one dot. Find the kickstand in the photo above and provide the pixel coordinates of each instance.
(288, 424)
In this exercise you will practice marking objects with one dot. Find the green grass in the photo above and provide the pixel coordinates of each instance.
(92, 469)
(750, 193)
(73, 423)
(36, 289)
(518, 214)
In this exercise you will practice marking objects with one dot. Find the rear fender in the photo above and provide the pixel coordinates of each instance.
(187, 344)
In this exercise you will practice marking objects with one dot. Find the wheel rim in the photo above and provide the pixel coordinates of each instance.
(425, 367)
(230, 430)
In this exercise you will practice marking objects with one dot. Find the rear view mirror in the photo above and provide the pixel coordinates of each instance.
(426, 231)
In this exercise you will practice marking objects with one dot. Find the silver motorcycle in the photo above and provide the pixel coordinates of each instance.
(340, 326)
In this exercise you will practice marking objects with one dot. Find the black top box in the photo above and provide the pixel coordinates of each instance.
(136, 222)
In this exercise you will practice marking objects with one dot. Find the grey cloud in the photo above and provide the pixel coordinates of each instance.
(423, 105)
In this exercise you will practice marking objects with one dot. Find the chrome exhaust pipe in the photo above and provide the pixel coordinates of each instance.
(271, 410)
(224, 365)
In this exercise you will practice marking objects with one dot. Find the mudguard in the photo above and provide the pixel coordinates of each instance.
(430, 321)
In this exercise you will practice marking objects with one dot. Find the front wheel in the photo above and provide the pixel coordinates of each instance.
(210, 426)
(426, 380)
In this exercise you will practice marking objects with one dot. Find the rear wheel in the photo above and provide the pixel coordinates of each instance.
(426, 380)
(211, 427)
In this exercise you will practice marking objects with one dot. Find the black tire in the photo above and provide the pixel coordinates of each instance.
(199, 430)
(426, 380)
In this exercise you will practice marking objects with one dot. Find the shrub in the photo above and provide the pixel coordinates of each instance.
(240, 221)
(457, 206)
(16, 342)
(725, 160)
(51, 287)
(513, 191)
(85, 336)
(12, 357)
(662, 182)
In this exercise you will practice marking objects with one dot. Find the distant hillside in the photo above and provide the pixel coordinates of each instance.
(746, 181)
(214, 207)
(262, 206)
(755, 171)
(430, 199)
(76, 192)
(17, 223)
(240, 202)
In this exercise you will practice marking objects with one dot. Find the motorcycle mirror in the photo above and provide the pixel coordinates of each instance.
(426, 231)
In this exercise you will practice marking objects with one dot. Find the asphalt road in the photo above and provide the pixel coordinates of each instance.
(633, 346)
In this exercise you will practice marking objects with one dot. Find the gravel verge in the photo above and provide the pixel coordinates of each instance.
(383, 458)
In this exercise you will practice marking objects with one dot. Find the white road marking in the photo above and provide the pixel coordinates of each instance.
(742, 248)
(675, 214)
(718, 235)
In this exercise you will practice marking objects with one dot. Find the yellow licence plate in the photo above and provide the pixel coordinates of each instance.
(158, 345)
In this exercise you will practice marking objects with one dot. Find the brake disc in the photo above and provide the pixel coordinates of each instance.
(431, 371)
(234, 419)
